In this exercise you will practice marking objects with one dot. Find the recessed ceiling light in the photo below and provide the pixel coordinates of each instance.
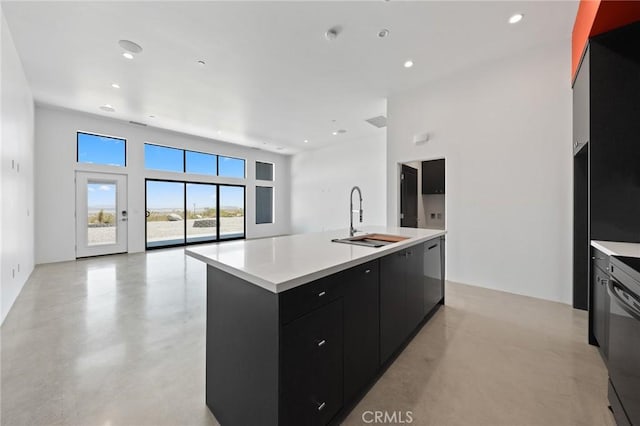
(115, 85)
(107, 107)
(408, 63)
(152, 116)
(306, 141)
(219, 132)
(201, 63)
(339, 132)
(128, 55)
(514, 19)
(383, 33)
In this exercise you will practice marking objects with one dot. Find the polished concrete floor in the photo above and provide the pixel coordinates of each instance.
(119, 340)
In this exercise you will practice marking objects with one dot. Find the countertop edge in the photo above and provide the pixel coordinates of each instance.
(625, 249)
(321, 273)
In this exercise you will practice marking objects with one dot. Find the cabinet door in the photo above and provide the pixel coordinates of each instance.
(361, 328)
(393, 301)
(433, 177)
(581, 110)
(312, 367)
(432, 275)
(601, 309)
(415, 287)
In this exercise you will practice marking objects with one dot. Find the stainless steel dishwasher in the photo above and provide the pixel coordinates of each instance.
(624, 340)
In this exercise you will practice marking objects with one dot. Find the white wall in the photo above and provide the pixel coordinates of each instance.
(56, 166)
(505, 131)
(321, 181)
(16, 218)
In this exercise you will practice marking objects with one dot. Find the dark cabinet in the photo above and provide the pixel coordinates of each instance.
(599, 301)
(415, 287)
(312, 348)
(612, 66)
(401, 298)
(581, 106)
(305, 355)
(433, 274)
(393, 301)
(361, 328)
(433, 177)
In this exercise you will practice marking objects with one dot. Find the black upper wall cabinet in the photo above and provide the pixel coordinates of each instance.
(433, 177)
(614, 132)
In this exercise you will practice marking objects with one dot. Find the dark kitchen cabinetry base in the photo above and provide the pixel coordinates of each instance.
(306, 356)
(599, 302)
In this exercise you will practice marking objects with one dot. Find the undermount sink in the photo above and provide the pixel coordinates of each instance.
(371, 240)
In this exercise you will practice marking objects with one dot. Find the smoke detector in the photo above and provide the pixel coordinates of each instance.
(332, 33)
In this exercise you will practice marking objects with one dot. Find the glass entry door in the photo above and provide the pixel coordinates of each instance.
(101, 214)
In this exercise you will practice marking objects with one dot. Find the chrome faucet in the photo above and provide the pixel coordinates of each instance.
(353, 230)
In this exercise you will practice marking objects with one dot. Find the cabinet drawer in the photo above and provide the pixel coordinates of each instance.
(600, 260)
(312, 366)
(303, 299)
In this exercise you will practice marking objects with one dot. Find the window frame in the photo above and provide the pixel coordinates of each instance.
(273, 171)
(184, 160)
(184, 202)
(244, 160)
(204, 153)
(126, 152)
(273, 205)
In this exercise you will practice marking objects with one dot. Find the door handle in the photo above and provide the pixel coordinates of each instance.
(147, 213)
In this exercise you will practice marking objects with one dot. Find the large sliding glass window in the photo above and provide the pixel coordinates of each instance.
(202, 208)
(180, 213)
(165, 213)
(231, 212)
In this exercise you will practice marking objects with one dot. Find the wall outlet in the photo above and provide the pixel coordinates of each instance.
(439, 215)
(433, 215)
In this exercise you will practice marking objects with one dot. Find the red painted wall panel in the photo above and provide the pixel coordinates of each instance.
(596, 17)
(586, 16)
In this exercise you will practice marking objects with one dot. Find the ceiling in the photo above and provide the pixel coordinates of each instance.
(271, 79)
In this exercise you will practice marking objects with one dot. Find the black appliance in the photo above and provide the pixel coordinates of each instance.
(624, 339)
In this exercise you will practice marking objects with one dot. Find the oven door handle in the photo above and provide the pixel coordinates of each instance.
(626, 299)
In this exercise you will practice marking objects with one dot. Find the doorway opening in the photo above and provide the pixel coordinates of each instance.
(422, 194)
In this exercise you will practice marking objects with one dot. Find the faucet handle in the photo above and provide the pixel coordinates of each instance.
(361, 215)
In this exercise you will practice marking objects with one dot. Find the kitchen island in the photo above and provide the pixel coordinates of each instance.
(300, 327)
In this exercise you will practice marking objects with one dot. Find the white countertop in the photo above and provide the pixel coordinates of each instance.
(280, 263)
(614, 248)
